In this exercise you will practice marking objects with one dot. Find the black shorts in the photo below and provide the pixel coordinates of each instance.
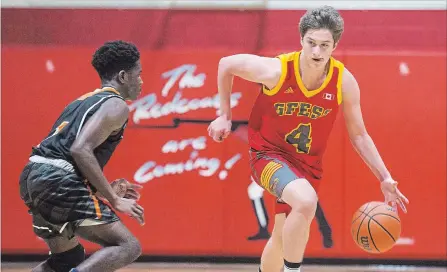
(60, 201)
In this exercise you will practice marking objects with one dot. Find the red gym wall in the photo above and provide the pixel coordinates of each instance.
(398, 58)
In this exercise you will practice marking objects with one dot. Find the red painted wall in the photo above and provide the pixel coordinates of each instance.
(46, 63)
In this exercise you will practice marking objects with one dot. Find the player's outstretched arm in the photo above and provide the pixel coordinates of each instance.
(363, 143)
(110, 117)
(264, 70)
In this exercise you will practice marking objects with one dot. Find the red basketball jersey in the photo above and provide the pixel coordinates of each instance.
(293, 121)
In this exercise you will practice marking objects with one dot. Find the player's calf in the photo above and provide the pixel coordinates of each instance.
(301, 196)
(272, 259)
(120, 247)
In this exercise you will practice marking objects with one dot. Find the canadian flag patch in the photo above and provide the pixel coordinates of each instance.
(328, 96)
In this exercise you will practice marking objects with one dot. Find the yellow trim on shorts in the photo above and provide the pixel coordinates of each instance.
(268, 172)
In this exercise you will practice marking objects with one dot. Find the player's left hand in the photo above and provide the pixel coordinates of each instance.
(392, 195)
(125, 189)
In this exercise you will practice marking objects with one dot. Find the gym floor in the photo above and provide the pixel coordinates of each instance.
(179, 267)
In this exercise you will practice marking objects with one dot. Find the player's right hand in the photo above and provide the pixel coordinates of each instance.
(131, 208)
(220, 128)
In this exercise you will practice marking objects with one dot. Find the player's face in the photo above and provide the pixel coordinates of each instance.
(318, 45)
(134, 81)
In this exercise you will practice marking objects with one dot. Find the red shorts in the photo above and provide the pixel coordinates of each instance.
(273, 172)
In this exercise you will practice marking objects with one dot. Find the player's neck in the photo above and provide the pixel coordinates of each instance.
(110, 84)
(311, 75)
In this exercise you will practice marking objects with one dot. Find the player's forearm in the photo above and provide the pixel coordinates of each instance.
(224, 86)
(89, 167)
(367, 150)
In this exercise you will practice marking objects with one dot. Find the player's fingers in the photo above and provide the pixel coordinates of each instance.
(211, 131)
(132, 195)
(141, 220)
(210, 127)
(135, 186)
(394, 206)
(130, 201)
(137, 212)
(402, 197)
(132, 191)
(139, 208)
(225, 135)
(387, 200)
(402, 205)
(218, 136)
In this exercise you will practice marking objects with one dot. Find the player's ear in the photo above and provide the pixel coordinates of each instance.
(335, 46)
(122, 76)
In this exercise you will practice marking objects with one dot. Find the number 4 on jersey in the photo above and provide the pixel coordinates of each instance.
(301, 138)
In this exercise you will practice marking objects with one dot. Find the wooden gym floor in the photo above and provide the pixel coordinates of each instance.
(140, 267)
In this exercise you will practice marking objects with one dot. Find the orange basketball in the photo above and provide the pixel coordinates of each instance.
(375, 227)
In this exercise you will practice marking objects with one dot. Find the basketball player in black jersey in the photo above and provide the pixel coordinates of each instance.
(63, 184)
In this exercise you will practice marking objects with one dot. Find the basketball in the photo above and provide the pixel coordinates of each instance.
(375, 227)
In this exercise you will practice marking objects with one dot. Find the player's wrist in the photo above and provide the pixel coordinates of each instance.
(386, 179)
(114, 198)
(226, 116)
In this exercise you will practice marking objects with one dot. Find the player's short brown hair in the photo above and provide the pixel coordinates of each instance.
(325, 17)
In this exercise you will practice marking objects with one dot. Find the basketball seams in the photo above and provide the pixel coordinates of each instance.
(372, 218)
(387, 215)
(370, 234)
(366, 214)
(367, 205)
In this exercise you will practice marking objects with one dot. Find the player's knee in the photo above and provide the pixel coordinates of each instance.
(306, 206)
(302, 198)
(133, 249)
(64, 261)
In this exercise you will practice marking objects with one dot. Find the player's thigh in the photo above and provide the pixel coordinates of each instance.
(107, 234)
(273, 173)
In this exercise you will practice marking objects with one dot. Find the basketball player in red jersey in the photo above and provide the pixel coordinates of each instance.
(290, 124)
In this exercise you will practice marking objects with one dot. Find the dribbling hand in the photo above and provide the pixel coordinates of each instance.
(220, 128)
(392, 195)
(129, 207)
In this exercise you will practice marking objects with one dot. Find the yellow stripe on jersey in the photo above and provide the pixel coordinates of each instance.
(341, 68)
(284, 58)
(300, 83)
(267, 174)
